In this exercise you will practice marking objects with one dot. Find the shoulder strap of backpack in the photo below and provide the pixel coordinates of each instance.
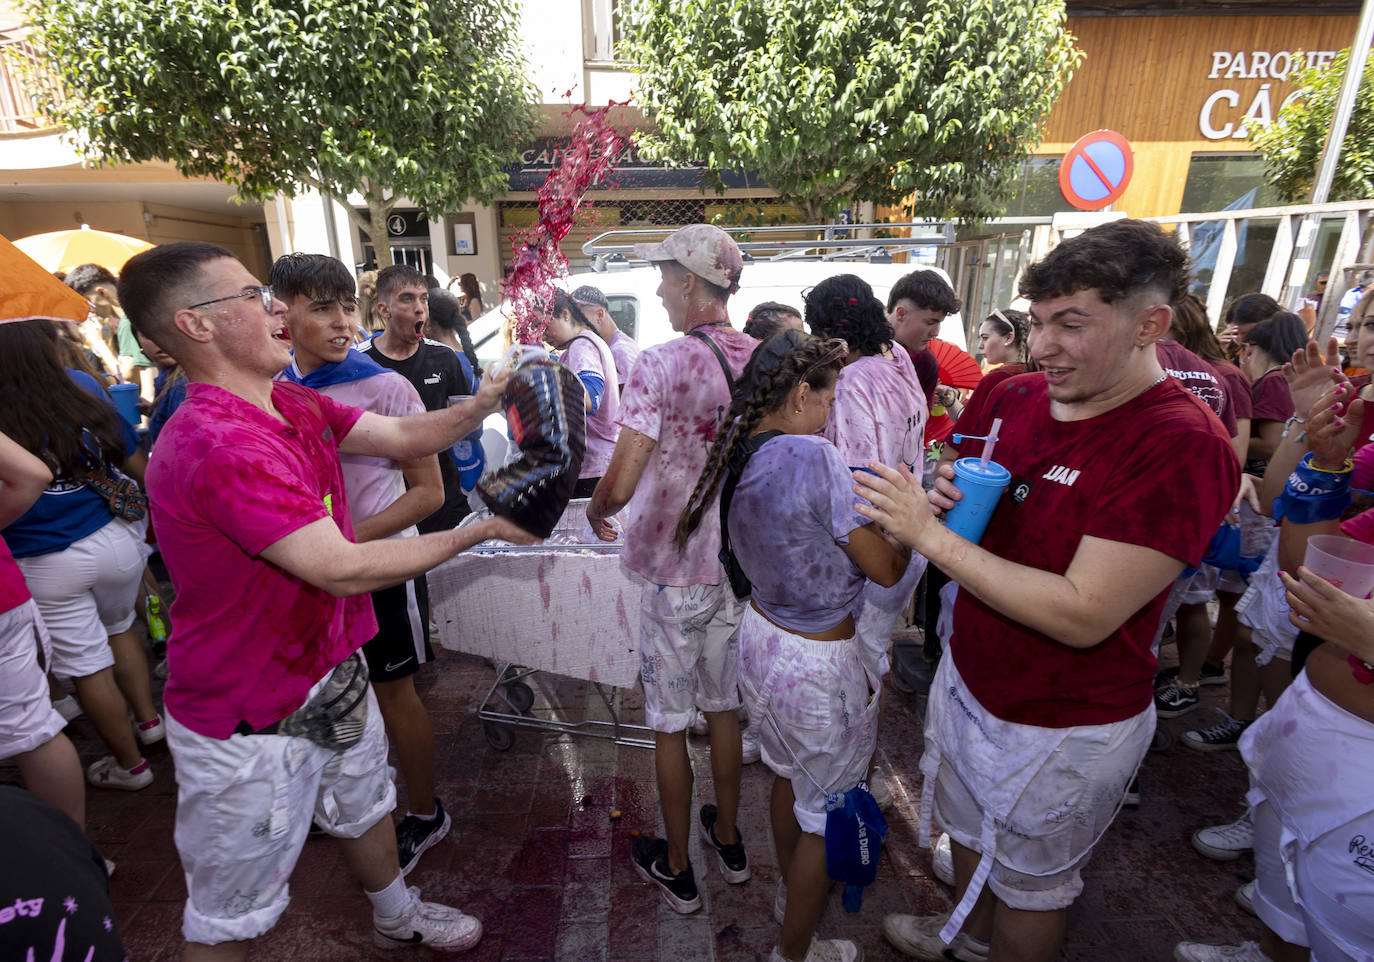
(701, 335)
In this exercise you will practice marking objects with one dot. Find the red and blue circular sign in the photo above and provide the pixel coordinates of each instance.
(1096, 170)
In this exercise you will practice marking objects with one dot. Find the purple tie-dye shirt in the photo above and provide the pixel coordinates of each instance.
(789, 524)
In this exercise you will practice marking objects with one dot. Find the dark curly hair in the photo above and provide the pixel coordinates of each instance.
(844, 306)
(1117, 260)
(777, 366)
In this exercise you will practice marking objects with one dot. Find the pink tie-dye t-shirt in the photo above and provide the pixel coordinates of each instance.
(879, 412)
(587, 352)
(626, 352)
(227, 481)
(677, 396)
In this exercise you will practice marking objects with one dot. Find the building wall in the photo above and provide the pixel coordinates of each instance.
(155, 223)
(1175, 86)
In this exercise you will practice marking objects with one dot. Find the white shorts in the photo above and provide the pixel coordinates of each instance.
(1313, 801)
(244, 807)
(86, 594)
(816, 708)
(944, 624)
(877, 615)
(27, 717)
(1046, 833)
(1264, 610)
(689, 652)
(1194, 589)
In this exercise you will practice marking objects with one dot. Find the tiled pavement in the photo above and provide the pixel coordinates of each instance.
(536, 853)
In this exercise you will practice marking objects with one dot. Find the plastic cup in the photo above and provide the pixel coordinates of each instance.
(982, 486)
(125, 397)
(455, 399)
(1346, 563)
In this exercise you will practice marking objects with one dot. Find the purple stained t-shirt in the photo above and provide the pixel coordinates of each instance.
(789, 522)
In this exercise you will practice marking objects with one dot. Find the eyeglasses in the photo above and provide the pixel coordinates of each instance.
(263, 293)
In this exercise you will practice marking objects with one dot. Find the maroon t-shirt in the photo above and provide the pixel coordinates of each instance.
(1237, 387)
(1199, 377)
(983, 391)
(1157, 471)
(1272, 401)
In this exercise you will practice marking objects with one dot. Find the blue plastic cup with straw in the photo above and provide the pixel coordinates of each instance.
(981, 481)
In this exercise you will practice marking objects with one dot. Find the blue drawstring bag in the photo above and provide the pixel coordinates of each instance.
(854, 833)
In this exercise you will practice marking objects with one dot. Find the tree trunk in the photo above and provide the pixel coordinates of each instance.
(379, 210)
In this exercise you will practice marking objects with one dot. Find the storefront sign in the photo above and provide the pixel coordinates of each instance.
(629, 171)
(1221, 117)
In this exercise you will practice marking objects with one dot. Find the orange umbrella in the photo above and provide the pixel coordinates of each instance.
(27, 291)
(61, 250)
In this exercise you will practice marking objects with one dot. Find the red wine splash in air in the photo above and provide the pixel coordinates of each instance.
(538, 260)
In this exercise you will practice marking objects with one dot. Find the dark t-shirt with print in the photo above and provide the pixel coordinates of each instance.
(436, 374)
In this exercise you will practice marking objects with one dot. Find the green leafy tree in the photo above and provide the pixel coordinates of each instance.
(1292, 145)
(424, 99)
(923, 103)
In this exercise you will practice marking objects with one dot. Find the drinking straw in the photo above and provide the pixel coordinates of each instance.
(991, 441)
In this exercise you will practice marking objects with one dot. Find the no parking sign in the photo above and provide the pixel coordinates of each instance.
(1096, 170)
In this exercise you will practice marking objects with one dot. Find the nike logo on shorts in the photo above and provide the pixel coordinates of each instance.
(393, 667)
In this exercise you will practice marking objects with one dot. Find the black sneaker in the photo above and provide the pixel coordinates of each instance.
(651, 862)
(1174, 700)
(415, 836)
(1221, 737)
(1208, 675)
(734, 864)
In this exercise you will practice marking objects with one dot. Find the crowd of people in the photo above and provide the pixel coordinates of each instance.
(782, 505)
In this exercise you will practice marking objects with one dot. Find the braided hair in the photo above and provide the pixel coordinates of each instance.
(778, 365)
(844, 306)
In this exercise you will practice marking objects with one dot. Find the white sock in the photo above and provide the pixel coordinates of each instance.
(392, 901)
(431, 817)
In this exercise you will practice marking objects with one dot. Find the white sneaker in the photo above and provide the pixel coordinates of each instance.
(151, 732)
(877, 786)
(1226, 842)
(752, 752)
(68, 708)
(919, 937)
(942, 859)
(1198, 952)
(1245, 897)
(825, 950)
(106, 773)
(427, 923)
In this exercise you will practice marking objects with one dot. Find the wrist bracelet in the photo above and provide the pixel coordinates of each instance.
(1288, 425)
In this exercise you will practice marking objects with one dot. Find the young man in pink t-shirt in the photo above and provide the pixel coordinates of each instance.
(689, 617)
(386, 499)
(1044, 708)
(270, 720)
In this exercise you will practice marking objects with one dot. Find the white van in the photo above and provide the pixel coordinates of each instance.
(639, 313)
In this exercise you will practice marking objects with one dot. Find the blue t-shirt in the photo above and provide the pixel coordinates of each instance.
(167, 402)
(789, 525)
(68, 510)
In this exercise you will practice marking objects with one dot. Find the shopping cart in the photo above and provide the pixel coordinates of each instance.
(565, 606)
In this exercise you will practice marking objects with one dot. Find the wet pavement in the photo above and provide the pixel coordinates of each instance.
(541, 835)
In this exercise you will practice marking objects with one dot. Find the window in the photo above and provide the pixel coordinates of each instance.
(625, 312)
(1221, 181)
(604, 36)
